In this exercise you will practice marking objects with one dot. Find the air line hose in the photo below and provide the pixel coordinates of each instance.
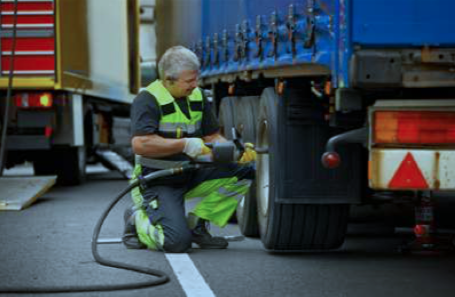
(161, 277)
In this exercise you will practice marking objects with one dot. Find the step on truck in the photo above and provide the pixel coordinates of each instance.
(76, 70)
(354, 100)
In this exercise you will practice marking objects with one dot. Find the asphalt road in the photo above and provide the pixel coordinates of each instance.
(49, 244)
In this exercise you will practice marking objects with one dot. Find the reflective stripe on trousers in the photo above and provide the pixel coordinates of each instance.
(150, 235)
(219, 198)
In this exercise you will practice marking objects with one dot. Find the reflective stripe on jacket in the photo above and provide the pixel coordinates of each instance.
(173, 122)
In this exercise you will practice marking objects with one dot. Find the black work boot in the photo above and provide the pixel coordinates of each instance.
(204, 240)
(130, 238)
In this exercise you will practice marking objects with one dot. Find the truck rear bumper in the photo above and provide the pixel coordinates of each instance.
(406, 67)
(415, 169)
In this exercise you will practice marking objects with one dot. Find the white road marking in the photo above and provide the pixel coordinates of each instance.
(192, 282)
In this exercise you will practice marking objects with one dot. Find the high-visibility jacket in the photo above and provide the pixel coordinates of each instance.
(174, 123)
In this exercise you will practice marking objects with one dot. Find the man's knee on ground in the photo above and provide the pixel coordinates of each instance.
(178, 243)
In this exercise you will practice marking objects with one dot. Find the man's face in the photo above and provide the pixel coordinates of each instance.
(185, 84)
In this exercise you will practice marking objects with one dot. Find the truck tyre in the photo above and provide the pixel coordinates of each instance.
(67, 163)
(44, 164)
(226, 116)
(246, 118)
(247, 208)
(247, 217)
(72, 170)
(289, 226)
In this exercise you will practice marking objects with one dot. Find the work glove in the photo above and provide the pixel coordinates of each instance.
(196, 149)
(249, 155)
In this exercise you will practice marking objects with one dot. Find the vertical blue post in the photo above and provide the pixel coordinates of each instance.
(336, 46)
(205, 15)
(344, 45)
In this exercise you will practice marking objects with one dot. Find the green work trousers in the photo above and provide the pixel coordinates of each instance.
(160, 218)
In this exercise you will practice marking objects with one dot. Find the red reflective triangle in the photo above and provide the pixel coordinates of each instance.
(408, 175)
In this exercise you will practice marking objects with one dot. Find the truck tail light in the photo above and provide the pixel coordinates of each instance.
(34, 100)
(48, 130)
(331, 160)
(414, 127)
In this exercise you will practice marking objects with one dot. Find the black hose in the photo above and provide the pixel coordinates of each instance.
(8, 92)
(161, 277)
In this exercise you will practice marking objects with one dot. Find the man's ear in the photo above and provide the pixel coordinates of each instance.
(170, 80)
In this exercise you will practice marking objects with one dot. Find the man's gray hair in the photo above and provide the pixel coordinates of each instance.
(175, 60)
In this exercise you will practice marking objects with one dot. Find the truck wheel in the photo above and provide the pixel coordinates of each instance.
(289, 226)
(67, 163)
(44, 165)
(227, 117)
(72, 170)
(246, 118)
(247, 209)
(247, 216)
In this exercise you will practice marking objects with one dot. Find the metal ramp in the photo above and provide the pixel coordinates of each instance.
(18, 192)
(115, 161)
